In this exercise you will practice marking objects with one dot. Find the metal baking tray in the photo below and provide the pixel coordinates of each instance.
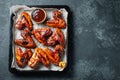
(13, 69)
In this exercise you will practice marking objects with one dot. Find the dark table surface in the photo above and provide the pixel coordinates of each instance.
(94, 40)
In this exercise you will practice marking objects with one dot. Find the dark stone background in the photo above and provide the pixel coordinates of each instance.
(94, 40)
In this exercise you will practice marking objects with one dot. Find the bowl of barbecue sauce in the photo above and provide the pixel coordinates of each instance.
(38, 15)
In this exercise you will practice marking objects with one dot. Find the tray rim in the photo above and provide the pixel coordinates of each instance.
(14, 70)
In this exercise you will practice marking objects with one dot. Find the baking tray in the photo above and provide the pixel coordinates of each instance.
(14, 70)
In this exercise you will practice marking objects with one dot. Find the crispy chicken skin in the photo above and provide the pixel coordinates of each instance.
(58, 21)
(59, 49)
(43, 57)
(41, 34)
(22, 57)
(27, 40)
(52, 56)
(56, 38)
(34, 60)
(20, 24)
(24, 21)
(27, 17)
(38, 56)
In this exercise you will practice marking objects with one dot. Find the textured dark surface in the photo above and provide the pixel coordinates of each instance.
(94, 43)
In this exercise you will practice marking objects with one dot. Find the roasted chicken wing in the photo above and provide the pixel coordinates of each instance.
(24, 21)
(43, 57)
(56, 38)
(34, 60)
(22, 57)
(58, 21)
(41, 34)
(38, 56)
(27, 40)
(52, 56)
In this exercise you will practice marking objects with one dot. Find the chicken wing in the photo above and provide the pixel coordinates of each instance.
(52, 56)
(56, 38)
(58, 21)
(34, 60)
(24, 21)
(41, 34)
(38, 56)
(22, 57)
(27, 40)
(43, 57)
(20, 24)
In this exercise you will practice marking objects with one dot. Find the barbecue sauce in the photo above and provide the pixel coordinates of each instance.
(38, 15)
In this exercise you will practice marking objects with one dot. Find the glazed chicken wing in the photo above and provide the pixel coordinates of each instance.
(41, 34)
(52, 56)
(20, 24)
(43, 57)
(22, 57)
(58, 21)
(27, 40)
(56, 38)
(34, 60)
(38, 56)
(24, 21)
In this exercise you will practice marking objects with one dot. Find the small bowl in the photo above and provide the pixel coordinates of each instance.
(38, 15)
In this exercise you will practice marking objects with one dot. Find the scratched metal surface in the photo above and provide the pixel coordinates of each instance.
(94, 40)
